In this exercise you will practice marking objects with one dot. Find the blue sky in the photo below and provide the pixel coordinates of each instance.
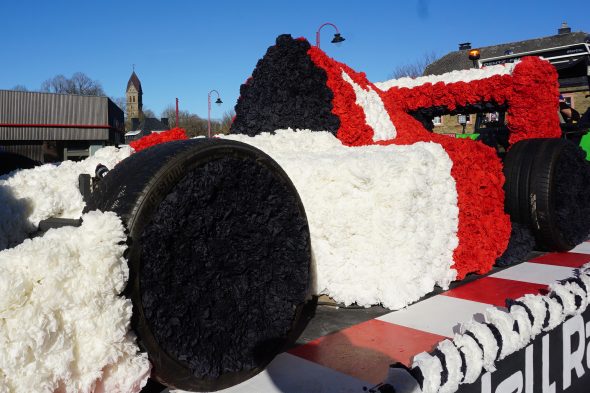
(186, 48)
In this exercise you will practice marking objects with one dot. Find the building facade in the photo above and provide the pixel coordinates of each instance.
(145, 126)
(49, 127)
(568, 52)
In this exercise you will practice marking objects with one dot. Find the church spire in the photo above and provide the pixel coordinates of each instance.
(134, 81)
(134, 95)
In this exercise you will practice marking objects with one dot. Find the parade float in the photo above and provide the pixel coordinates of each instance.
(328, 184)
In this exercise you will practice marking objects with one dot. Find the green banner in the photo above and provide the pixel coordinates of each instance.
(466, 136)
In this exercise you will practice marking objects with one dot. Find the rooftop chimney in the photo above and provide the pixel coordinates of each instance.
(564, 29)
(465, 46)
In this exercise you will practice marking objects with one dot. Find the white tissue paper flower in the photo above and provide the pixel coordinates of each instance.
(51, 190)
(62, 321)
(383, 219)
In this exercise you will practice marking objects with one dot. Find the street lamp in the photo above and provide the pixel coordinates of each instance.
(337, 37)
(474, 56)
(218, 102)
(177, 125)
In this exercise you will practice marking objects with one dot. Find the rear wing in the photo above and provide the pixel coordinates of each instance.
(528, 91)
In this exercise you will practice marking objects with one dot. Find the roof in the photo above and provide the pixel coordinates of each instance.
(134, 81)
(459, 60)
(49, 93)
(151, 124)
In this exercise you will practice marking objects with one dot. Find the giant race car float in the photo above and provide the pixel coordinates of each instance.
(328, 184)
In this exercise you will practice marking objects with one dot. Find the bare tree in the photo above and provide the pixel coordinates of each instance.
(192, 123)
(147, 113)
(121, 102)
(57, 84)
(226, 121)
(79, 83)
(20, 88)
(82, 84)
(415, 69)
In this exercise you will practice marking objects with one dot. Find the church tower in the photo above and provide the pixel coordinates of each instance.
(134, 97)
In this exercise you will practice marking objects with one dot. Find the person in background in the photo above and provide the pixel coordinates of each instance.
(569, 114)
(585, 120)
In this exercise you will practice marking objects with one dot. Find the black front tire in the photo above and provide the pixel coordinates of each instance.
(219, 256)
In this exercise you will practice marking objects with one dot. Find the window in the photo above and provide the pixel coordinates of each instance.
(437, 120)
(466, 118)
(567, 111)
(491, 118)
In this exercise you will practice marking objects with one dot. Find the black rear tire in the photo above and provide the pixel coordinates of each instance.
(547, 189)
(518, 166)
(560, 196)
(219, 256)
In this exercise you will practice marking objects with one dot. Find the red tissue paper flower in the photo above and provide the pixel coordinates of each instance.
(532, 111)
(156, 138)
(531, 94)
(452, 95)
(484, 227)
(354, 130)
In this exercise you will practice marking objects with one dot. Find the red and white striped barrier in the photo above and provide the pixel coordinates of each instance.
(359, 356)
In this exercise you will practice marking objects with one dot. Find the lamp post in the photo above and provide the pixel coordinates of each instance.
(218, 102)
(337, 37)
(177, 125)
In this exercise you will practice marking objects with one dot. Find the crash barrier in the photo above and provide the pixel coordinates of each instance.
(539, 344)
